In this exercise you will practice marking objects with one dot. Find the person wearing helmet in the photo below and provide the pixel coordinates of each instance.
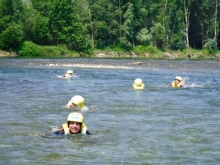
(68, 74)
(177, 83)
(74, 125)
(77, 101)
(138, 84)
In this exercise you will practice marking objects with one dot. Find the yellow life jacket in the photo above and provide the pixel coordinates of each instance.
(138, 87)
(66, 129)
(176, 86)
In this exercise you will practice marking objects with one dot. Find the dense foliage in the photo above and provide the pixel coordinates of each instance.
(85, 25)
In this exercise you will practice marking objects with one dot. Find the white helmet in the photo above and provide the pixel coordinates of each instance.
(74, 116)
(69, 72)
(179, 78)
(78, 100)
(138, 82)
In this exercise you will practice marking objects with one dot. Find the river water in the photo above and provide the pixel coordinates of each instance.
(158, 125)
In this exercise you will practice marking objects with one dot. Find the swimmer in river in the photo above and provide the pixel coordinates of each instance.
(68, 74)
(77, 101)
(138, 84)
(75, 125)
(177, 83)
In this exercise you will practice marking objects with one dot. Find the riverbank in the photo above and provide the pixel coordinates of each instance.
(7, 54)
(113, 54)
(161, 55)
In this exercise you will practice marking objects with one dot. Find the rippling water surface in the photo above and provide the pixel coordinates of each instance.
(158, 125)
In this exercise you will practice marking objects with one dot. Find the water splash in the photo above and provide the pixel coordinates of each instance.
(188, 84)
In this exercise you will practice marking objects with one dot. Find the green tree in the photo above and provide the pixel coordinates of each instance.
(144, 37)
(209, 20)
(40, 31)
(157, 32)
(12, 37)
(84, 25)
(104, 17)
(11, 28)
(128, 25)
(66, 27)
(175, 26)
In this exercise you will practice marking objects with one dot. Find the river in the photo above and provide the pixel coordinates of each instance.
(157, 125)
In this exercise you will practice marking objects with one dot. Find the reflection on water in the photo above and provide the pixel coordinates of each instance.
(157, 124)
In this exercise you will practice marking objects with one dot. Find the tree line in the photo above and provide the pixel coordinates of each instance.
(86, 25)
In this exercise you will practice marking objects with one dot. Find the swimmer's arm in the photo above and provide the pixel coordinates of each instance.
(88, 133)
(58, 132)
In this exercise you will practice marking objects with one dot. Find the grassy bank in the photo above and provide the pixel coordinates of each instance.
(31, 50)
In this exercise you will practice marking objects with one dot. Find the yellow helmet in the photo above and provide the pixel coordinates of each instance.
(78, 100)
(179, 78)
(138, 82)
(75, 116)
(69, 72)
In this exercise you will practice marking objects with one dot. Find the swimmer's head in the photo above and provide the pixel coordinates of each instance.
(74, 122)
(69, 72)
(179, 78)
(78, 100)
(138, 82)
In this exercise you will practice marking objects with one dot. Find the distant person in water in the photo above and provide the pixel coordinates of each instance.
(177, 83)
(68, 74)
(77, 101)
(138, 84)
(75, 125)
